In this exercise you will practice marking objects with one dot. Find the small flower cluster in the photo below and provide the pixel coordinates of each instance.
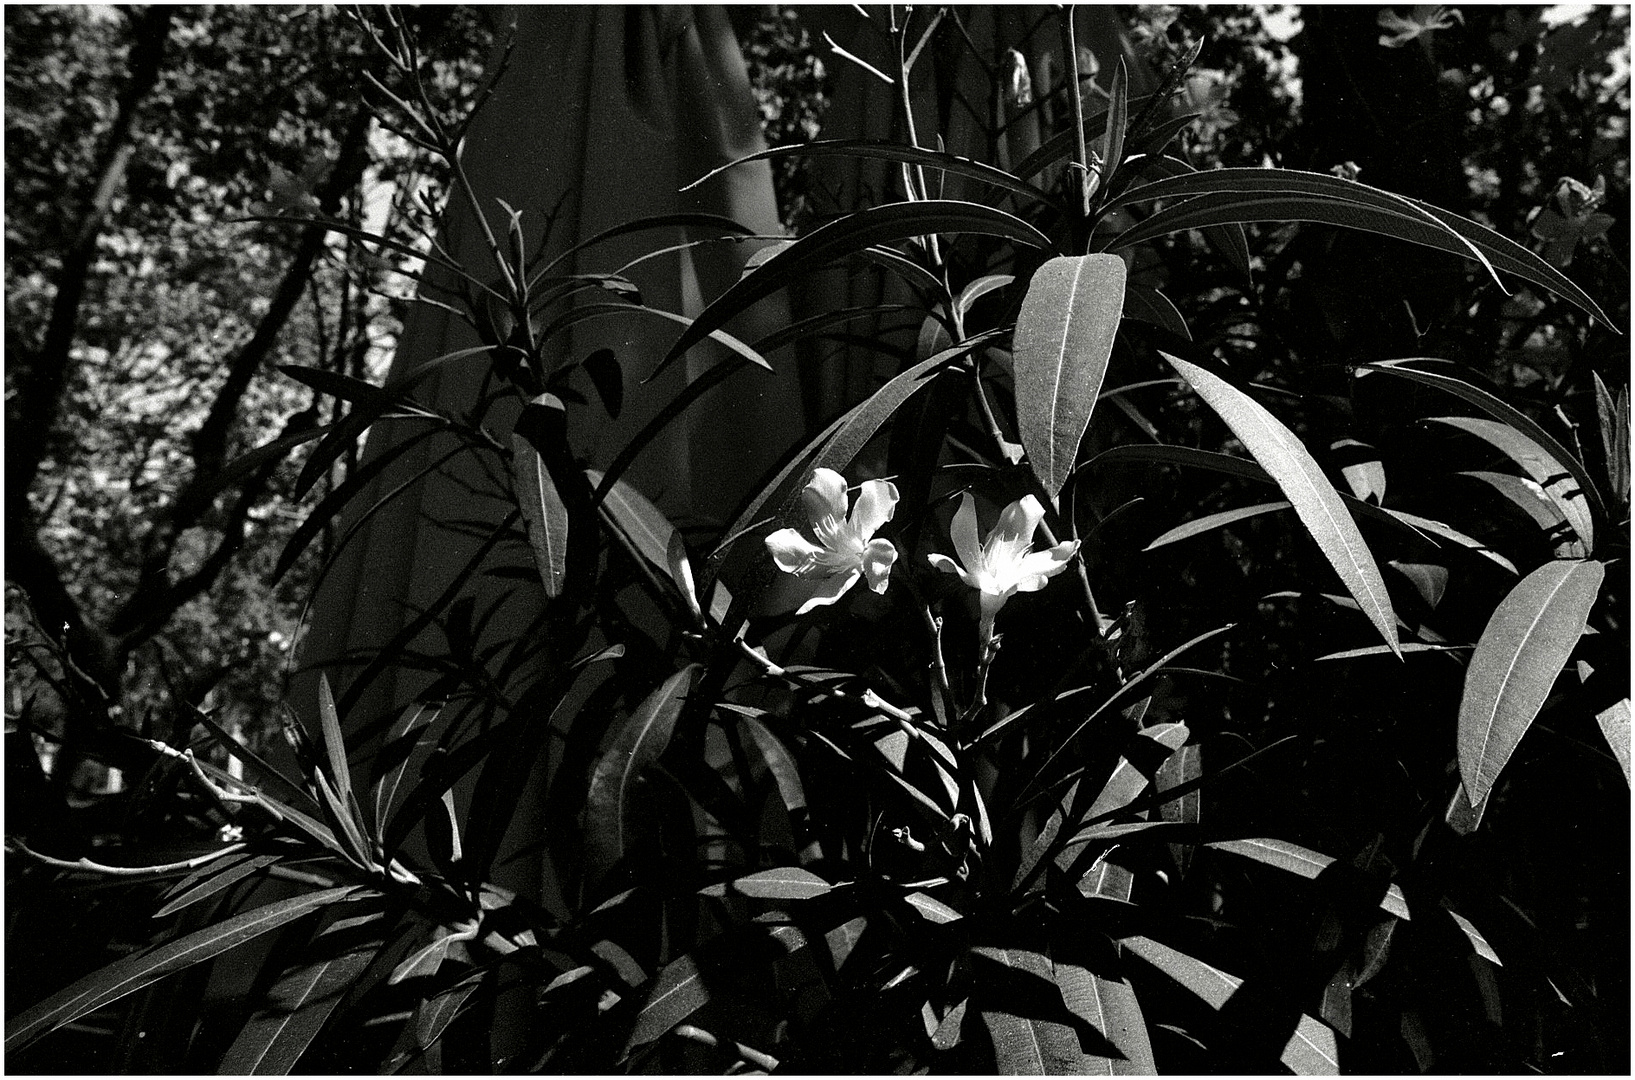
(838, 550)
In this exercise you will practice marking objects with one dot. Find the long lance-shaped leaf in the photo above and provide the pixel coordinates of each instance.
(1311, 1050)
(1517, 659)
(890, 151)
(357, 479)
(1304, 862)
(1533, 501)
(1197, 526)
(1226, 464)
(1275, 183)
(1301, 479)
(149, 966)
(1064, 337)
(1110, 1007)
(1024, 1042)
(1447, 379)
(837, 445)
(273, 1040)
(1223, 195)
(585, 312)
(544, 513)
(630, 747)
(1545, 470)
(662, 221)
(838, 239)
(784, 883)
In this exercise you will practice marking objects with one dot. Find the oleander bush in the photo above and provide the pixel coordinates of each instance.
(1124, 685)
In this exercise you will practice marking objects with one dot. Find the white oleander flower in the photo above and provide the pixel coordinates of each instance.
(838, 550)
(1004, 563)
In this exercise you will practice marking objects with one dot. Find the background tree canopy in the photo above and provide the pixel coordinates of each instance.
(172, 176)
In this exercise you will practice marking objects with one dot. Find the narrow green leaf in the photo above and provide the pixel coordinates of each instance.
(891, 151)
(678, 991)
(131, 974)
(631, 745)
(847, 236)
(1304, 862)
(1026, 1044)
(433, 1016)
(300, 1003)
(1445, 377)
(1127, 781)
(1149, 305)
(1380, 650)
(1254, 187)
(1614, 722)
(687, 220)
(1111, 143)
(334, 745)
(1549, 474)
(979, 288)
(1477, 941)
(236, 872)
(1110, 1007)
(783, 883)
(931, 909)
(1448, 532)
(1198, 526)
(1524, 647)
(1301, 480)
(544, 511)
(1064, 337)
(406, 737)
(1311, 1049)
(1532, 500)
(1613, 415)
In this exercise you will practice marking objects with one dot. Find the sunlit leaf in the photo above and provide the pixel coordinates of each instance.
(1614, 722)
(1445, 375)
(783, 883)
(1110, 1007)
(298, 1006)
(1025, 1043)
(131, 974)
(1208, 522)
(1477, 941)
(1301, 480)
(1311, 1049)
(1064, 337)
(1524, 647)
(1556, 483)
(1304, 862)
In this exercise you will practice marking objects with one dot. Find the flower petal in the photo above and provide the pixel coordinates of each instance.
(824, 496)
(876, 502)
(878, 558)
(826, 590)
(963, 533)
(791, 551)
(1037, 567)
(949, 566)
(1019, 521)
